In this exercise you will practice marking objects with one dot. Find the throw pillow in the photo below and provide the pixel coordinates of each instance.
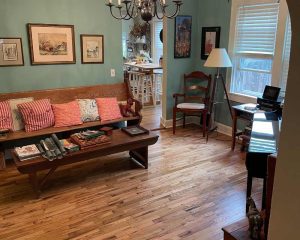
(6, 121)
(88, 110)
(37, 114)
(18, 123)
(108, 108)
(67, 114)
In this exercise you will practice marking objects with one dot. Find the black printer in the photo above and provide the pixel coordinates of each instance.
(270, 100)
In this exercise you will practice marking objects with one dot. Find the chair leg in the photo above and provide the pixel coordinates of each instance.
(183, 120)
(174, 121)
(204, 123)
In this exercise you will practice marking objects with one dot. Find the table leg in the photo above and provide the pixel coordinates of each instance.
(140, 155)
(35, 184)
(2, 161)
(234, 126)
(249, 188)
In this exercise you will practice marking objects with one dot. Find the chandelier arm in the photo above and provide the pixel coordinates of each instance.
(130, 9)
(178, 5)
(114, 16)
(156, 10)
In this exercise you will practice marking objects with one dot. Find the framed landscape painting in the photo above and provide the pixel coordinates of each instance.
(92, 48)
(183, 37)
(11, 52)
(51, 44)
(210, 40)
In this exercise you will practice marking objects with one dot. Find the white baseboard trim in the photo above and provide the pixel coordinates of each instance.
(188, 120)
(222, 128)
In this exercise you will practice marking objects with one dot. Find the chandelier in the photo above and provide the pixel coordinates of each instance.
(147, 9)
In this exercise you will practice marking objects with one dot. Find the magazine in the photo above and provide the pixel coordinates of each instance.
(27, 152)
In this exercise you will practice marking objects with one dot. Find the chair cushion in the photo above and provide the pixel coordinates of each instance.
(194, 106)
(108, 108)
(6, 121)
(67, 114)
(18, 123)
(89, 110)
(37, 114)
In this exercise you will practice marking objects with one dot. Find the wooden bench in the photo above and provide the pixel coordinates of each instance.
(62, 95)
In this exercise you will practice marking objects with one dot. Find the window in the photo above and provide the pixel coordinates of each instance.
(157, 47)
(255, 46)
(286, 55)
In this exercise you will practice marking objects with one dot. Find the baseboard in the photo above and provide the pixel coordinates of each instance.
(222, 128)
(188, 120)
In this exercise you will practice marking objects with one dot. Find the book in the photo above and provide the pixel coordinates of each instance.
(71, 147)
(135, 130)
(27, 152)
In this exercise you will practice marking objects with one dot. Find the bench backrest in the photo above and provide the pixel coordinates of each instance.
(63, 95)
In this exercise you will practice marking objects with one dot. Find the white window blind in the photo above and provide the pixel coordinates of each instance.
(256, 28)
(254, 48)
(157, 48)
(286, 55)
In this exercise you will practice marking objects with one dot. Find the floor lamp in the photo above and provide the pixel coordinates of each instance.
(218, 58)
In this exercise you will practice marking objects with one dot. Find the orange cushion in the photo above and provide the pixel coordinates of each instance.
(67, 114)
(37, 114)
(108, 108)
(6, 120)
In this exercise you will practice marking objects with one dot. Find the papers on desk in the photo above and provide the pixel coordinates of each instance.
(250, 107)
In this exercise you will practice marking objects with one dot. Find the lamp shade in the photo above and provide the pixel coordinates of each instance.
(218, 58)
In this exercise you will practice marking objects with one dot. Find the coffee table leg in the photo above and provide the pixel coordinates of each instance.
(140, 155)
(35, 184)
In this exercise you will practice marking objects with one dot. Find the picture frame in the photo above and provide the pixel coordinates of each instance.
(51, 44)
(92, 49)
(183, 36)
(210, 40)
(11, 52)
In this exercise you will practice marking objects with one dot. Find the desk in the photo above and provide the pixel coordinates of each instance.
(239, 112)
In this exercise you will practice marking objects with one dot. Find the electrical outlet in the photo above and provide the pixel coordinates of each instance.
(112, 72)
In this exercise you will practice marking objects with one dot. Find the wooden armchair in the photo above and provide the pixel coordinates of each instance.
(195, 98)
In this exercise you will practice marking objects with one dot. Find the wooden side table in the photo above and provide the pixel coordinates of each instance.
(239, 112)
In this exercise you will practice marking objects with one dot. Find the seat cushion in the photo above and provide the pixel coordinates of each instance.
(67, 114)
(194, 106)
(6, 121)
(37, 114)
(108, 109)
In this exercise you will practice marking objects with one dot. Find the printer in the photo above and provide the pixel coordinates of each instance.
(270, 100)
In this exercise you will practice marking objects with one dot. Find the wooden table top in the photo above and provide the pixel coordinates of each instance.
(120, 142)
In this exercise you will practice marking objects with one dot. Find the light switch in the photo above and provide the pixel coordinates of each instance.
(112, 72)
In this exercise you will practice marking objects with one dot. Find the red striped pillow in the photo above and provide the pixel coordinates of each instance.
(67, 114)
(108, 108)
(6, 121)
(37, 114)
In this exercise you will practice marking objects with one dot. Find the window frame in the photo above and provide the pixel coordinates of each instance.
(278, 53)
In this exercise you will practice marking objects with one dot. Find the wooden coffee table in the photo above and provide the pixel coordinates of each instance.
(120, 142)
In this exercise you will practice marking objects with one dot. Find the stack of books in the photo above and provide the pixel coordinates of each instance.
(27, 152)
(90, 138)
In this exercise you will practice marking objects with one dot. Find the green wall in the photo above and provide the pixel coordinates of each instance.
(176, 68)
(88, 17)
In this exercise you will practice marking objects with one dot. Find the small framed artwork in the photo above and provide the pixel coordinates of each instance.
(51, 44)
(11, 52)
(210, 40)
(183, 37)
(92, 48)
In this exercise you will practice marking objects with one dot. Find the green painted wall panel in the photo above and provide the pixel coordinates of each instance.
(88, 17)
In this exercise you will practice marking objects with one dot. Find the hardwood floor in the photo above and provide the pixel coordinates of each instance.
(190, 191)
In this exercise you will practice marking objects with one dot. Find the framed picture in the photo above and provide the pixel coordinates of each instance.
(51, 44)
(11, 52)
(210, 40)
(183, 37)
(92, 48)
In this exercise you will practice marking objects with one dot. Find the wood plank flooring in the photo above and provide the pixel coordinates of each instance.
(190, 191)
